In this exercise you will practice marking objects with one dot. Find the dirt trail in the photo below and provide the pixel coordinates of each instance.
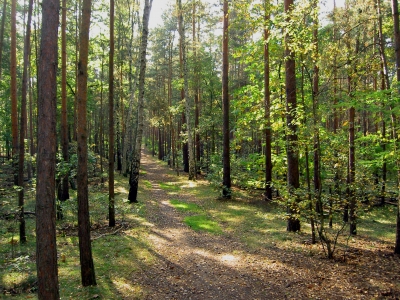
(197, 265)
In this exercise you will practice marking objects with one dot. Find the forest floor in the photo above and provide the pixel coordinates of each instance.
(200, 265)
(236, 249)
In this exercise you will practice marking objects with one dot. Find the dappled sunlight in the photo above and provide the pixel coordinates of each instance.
(229, 258)
(190, 184)
(121, 189)
(127, 288)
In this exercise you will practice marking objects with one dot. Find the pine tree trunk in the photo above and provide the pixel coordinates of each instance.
(64, 195)
(23, 119)
(293, 223)
(267, 104)
(226, 176)
(85, 247)
(46, 247)
(13, 86)
(3, 20)
(136, 155)
(111, 142)
(395, 12)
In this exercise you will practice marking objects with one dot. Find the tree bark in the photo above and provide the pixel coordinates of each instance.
(85, 247)
(267, 104)
(23, 125)
(132, 86)
(136, 155)
(185, 146)
(395, 13)
(293, 180)
(13, 86)
(111, 201)
(46, 247)
(188, 102)
(64, 193)
(226, 179)
(3, 20)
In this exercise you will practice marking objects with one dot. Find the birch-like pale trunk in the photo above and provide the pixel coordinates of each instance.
(136, 155)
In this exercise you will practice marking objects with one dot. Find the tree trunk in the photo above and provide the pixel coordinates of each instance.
(111, 202)
(3, 20)
(14, 101)
(132, 87)
(23, 125)
(395, 12)
(64, 195)
(85, 247)
(196, 90)
(226, 176)
(185, 147)
(293, 223)
(267, 104)
(316, 121)
(136, 155)
(188, 102)
(101, 129)
(46, 247)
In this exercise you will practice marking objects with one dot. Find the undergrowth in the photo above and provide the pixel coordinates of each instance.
(121, 251)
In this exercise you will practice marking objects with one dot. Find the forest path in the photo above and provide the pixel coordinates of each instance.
(192, 264)
(200, 265)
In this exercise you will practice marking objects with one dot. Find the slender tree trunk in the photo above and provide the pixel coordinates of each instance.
(120, 122)
(14, 101)
(136, 155)
(293, 223)
(226, 179)
(188, 102)
(196, 90)
(395, 13)
(101, 129)
(316, 148)
(335, 118)
(185, 147)
(3, 20)
(132, 86)
(85, 247)
(267, 103)
(77, 28)
(64, 195)
(46, 247)
(352, 157)
(23, 119)
(111, 142)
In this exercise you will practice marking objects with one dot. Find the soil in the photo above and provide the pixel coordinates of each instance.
(199, 265)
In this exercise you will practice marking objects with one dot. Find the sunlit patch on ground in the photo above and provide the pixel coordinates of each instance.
(126, 288)
(190, 184)
(121, 189)
(229, 258)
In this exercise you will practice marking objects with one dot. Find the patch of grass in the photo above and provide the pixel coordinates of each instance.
(169, 186)
(184, 206)
(147, 184)
(375, 223)
(203, 223)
